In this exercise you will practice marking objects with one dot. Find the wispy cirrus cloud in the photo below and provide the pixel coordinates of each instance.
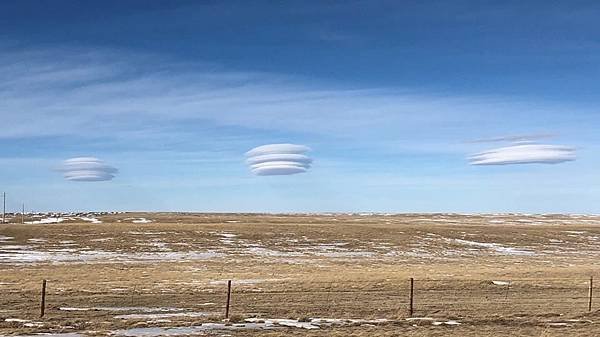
(515, 138)
(65, 91)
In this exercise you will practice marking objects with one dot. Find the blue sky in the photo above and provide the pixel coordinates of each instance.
(389, 95)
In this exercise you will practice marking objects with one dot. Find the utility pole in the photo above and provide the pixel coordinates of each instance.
(23, 214)
(4, 207)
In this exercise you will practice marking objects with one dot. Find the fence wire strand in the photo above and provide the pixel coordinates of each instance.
(475, 297)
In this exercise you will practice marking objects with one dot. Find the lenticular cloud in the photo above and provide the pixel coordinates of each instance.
(87, 169)
(525, 154)
(278, 159)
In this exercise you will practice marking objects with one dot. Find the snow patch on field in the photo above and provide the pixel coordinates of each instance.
(496, 247)
(433, 321)
(292, 323)
(16, 320)
(161, 316)
(90, 219)
(227, 235)
(32, 256)
(37, 240)
(58, 334)
(45, 221)
(347, 254)
(261, 251)
(250, 324)
(186, 331)
(5, 238)
(136, 309)
(451, 322)
(25, 322)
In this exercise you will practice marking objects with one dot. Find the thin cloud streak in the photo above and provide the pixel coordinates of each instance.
(515, 138)
(110, 90)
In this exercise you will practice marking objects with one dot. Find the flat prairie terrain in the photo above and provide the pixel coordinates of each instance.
(166, 274)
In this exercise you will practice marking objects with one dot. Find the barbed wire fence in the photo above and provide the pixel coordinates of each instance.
(315, 298)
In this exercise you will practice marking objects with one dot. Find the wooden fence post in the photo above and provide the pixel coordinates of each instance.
(228, 299)
(410, 308)
(43, 305)
(591, 293)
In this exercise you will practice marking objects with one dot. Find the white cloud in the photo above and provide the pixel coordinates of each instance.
(87, 169)
(278, 159)
(515, 138)
(61, 92)
(277, 149)
(143, 104)
(524, 154)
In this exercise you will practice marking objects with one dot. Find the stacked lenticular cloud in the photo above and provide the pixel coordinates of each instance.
(278, 159)
(87, 169)
(524, 153)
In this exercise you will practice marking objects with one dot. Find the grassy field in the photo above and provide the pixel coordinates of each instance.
(158, 274)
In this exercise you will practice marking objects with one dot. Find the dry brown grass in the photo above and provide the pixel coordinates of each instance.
(312, 266)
